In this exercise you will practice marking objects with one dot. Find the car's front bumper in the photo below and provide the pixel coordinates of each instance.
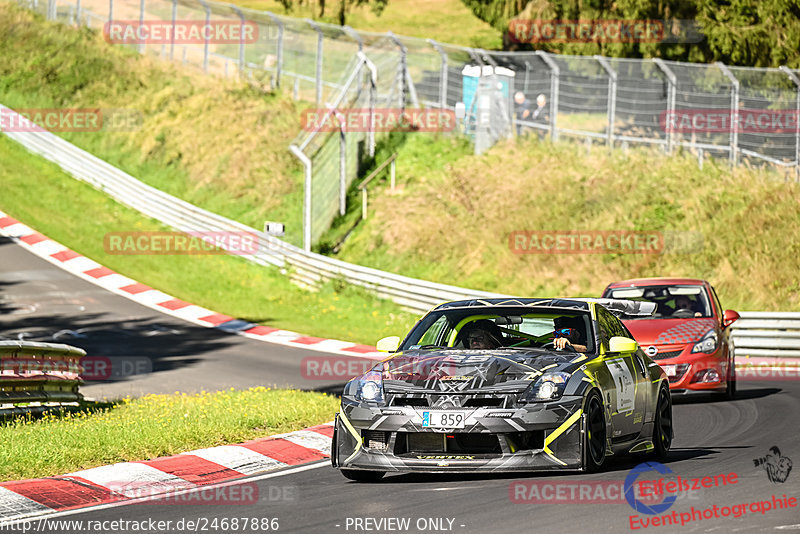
(692, 372)
(538, 436)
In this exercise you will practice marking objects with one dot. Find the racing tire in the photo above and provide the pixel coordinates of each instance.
(363, 476)
(594, 436)
(730, 385)
(662, 426)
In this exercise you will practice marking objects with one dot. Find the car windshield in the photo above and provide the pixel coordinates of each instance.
(511, 328)
(672, 301)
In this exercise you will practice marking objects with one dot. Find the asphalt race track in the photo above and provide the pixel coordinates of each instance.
(711, 438)
(40, 302)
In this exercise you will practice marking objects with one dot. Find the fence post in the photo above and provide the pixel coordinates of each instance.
(172, 35)
(340, 118)
(443, 73)
(355, 36)
(373, 87)
(205, 45)
(318, 60)
(672, 82)
(110, 10)
(612, 96)
(734, 111)
(554, 87)
(402, 74)
(51, 9)
(279, 51)
(78, 12)
(141, 23)
(306, 196)
(796, 81)
(241, 40)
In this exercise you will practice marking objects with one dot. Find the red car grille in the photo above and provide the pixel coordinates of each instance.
(665, 355)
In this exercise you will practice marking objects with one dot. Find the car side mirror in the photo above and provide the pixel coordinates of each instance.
(388, 344)
(728, 318)
(622, 344)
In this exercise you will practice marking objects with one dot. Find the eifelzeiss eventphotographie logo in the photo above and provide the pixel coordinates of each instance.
(630, 495)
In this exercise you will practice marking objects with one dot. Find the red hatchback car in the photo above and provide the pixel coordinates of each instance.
(688, 335)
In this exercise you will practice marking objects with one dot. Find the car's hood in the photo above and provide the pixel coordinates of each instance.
(471, 369)
(669, 331)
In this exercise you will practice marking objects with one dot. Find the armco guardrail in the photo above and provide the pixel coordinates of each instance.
(767, 334)
(305, 268)
(39, 373)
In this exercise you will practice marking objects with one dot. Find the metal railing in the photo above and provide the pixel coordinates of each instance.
(767, 334)
(35, 373)
(611, 101)
(302, 267)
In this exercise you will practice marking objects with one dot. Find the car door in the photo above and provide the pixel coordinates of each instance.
(628, 401)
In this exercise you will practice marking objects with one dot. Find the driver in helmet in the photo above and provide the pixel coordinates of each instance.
(569, 332)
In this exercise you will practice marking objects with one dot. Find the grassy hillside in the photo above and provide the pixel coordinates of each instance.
(450, 220)
(40, 194)
(216, 143)
(447, 21)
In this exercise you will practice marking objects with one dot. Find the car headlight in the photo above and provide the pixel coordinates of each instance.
(707, 344)
(549, 386)
(366, 388)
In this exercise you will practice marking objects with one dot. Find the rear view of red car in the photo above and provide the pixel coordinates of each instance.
(688, 335)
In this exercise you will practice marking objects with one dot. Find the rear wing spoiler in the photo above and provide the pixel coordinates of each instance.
(626, 308)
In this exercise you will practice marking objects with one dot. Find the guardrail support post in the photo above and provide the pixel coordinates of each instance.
(306, 196)
(612, 97)
(554, 88)
(442, 74)
(318, 60)
(279, 49)
(672, 82)
(796, 81)
(734, 112)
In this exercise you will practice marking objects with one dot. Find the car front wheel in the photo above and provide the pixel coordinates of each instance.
(594, 440)
(662, 426)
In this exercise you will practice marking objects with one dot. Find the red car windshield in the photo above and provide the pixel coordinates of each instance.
(672, 301)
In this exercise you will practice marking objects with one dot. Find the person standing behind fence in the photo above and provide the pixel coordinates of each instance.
(525, 114)
(523, 110)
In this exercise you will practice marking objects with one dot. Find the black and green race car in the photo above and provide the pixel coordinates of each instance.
(512, 384)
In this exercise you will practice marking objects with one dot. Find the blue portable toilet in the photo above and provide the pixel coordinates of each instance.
(470, 76)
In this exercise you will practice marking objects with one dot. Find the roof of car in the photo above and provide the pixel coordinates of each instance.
(657, 282)
(618, 307)
(551, 303)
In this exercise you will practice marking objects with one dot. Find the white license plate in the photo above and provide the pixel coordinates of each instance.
(443, 419)
(669, 369)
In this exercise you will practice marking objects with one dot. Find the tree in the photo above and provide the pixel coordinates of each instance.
(343, 8)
